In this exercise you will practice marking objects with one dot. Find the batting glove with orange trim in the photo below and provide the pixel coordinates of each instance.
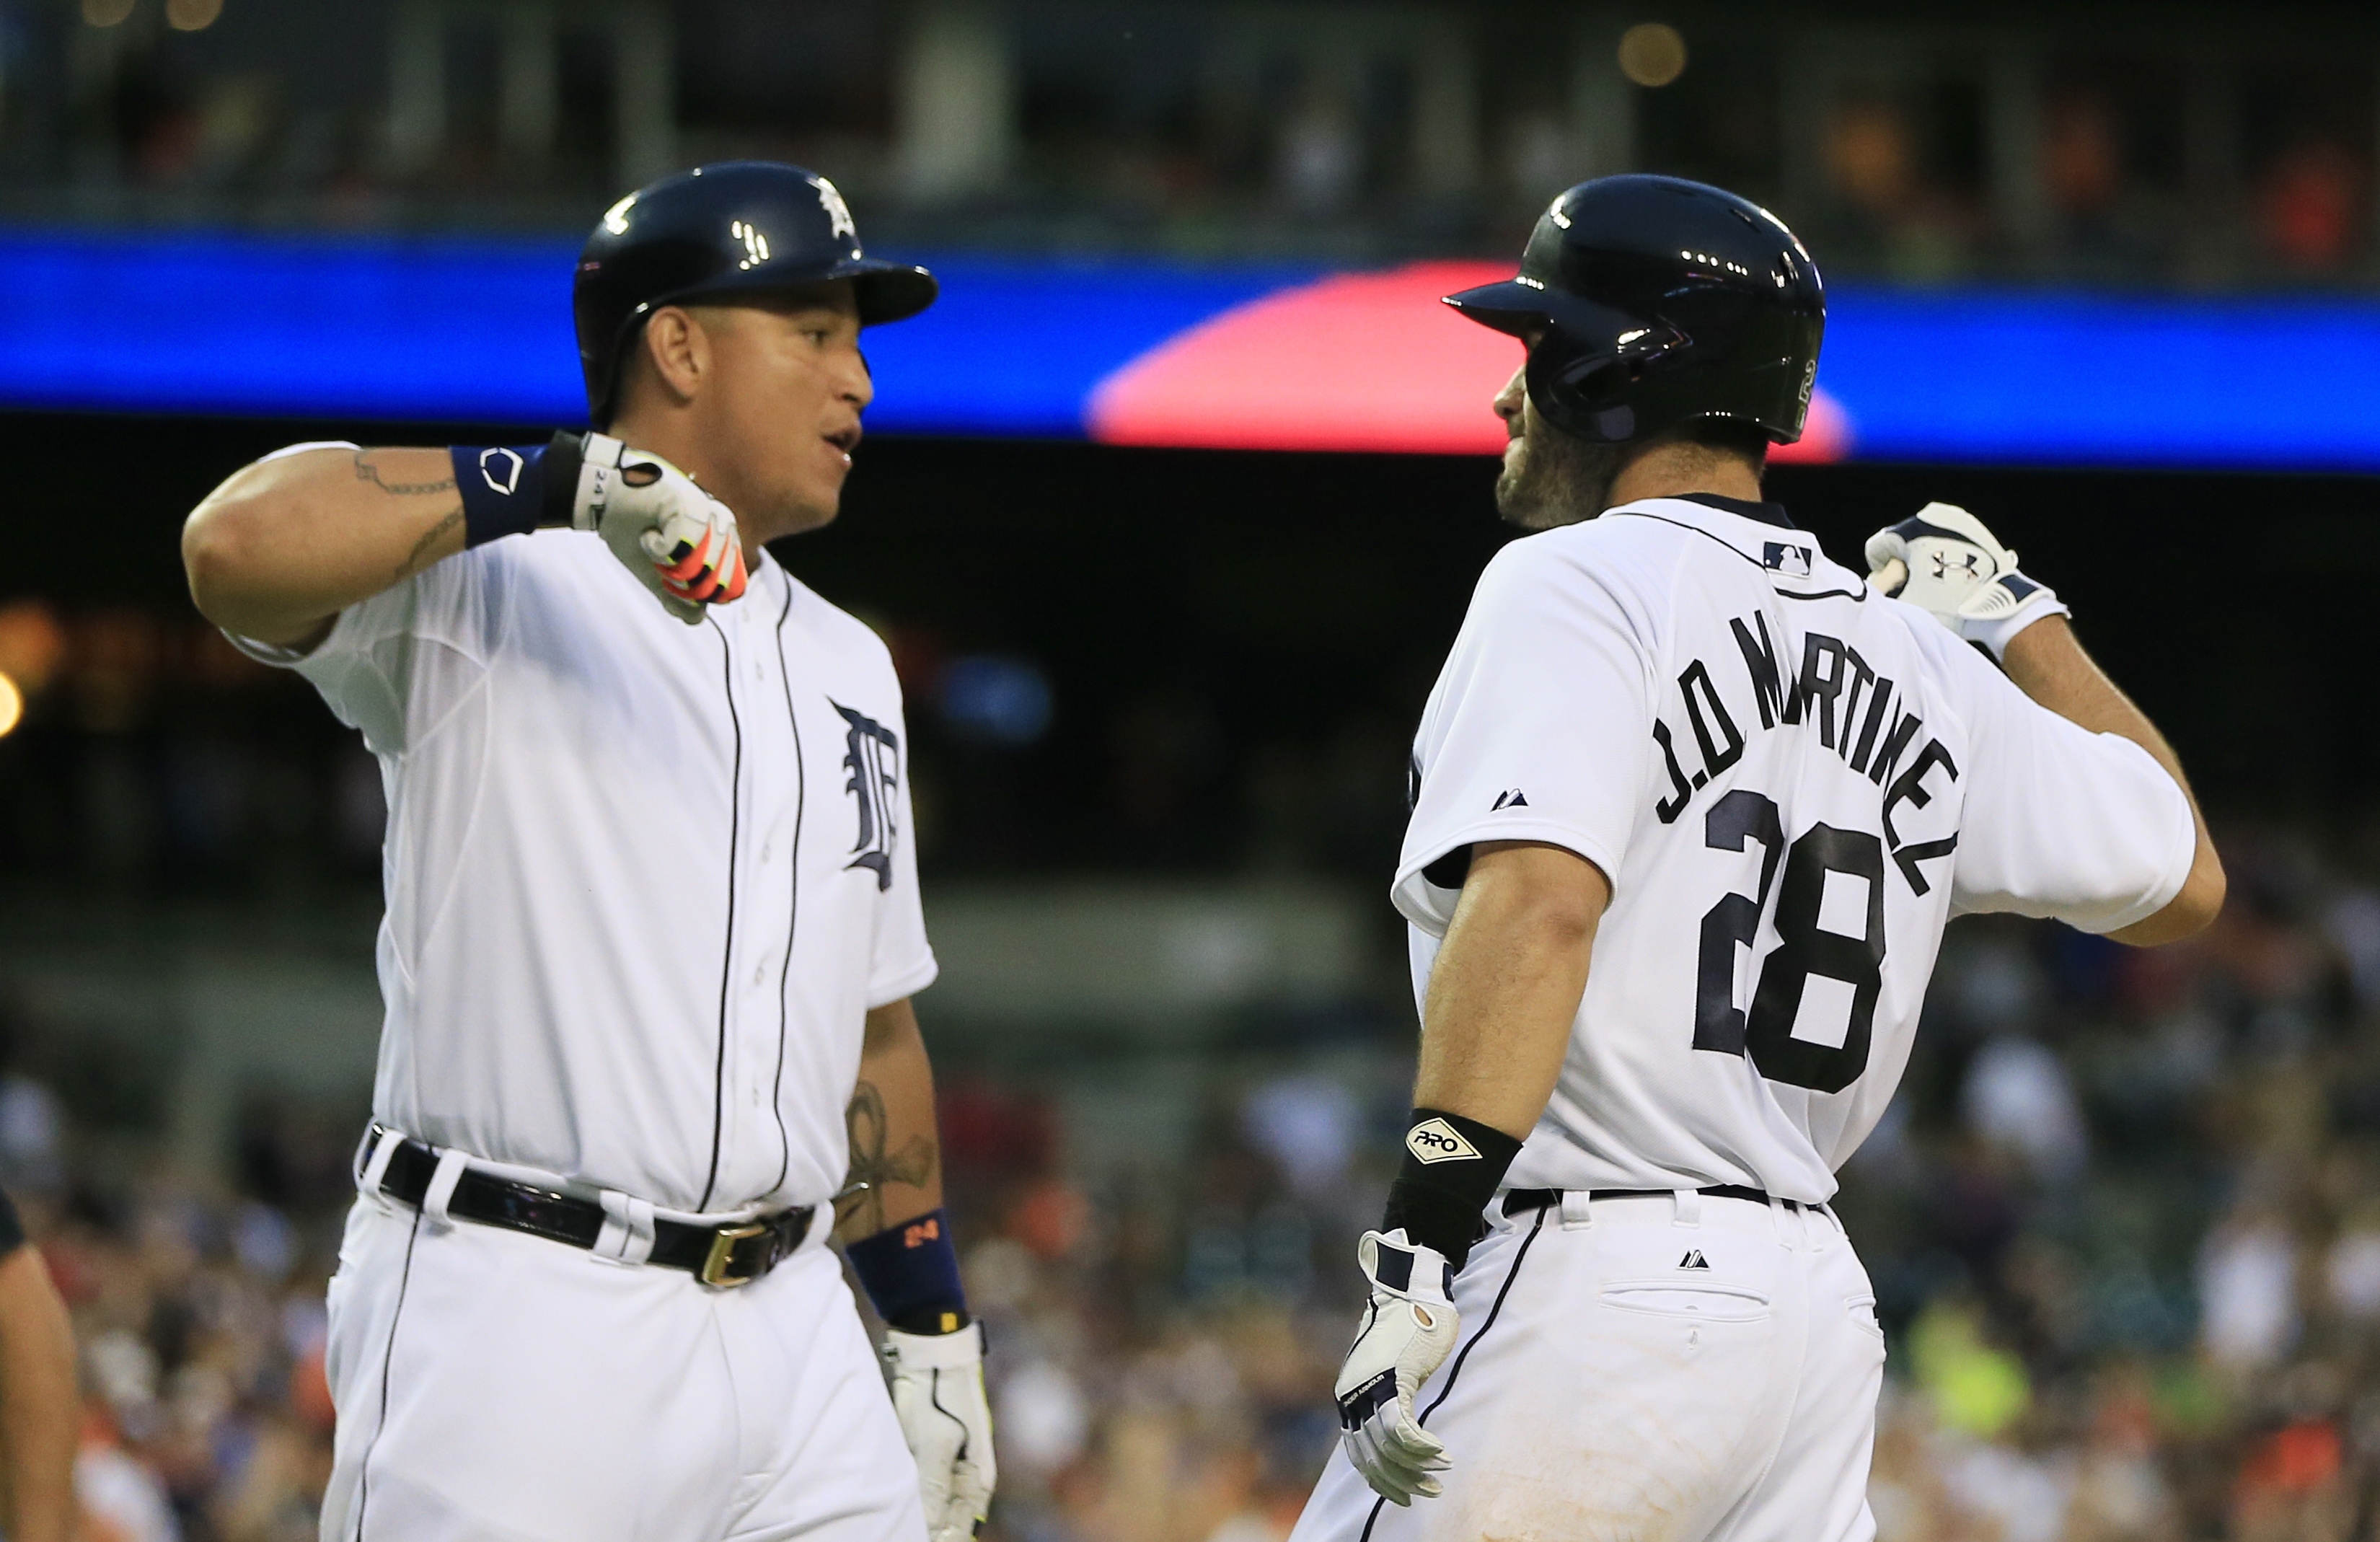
(679, 541)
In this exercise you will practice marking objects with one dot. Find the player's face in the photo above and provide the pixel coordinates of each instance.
(782, 410)
(1550, 476)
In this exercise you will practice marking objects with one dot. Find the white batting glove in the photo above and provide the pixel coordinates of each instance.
(679, 541)
(938, 1395)
(1409, 1330)
(1944, 560)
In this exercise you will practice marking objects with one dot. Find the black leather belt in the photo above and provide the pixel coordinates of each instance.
(723, 1255)
(1522, 1201)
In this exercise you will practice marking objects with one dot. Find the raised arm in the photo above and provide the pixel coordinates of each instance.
(285, 544)
(2048, 664)
(1945, 561)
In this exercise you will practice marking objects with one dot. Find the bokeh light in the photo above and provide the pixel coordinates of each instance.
(12, 706)
(1652, 54)
(32, 643)
(106, 13)
(996, 701)
(192, 16)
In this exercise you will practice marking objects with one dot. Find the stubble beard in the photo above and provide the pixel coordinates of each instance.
(1552, 479)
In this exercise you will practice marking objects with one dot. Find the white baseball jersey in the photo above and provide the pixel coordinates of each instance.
(1791, 783)
(644, 879)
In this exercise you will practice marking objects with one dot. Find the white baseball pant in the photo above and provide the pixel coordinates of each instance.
(496, 1386)
(1672, 1369)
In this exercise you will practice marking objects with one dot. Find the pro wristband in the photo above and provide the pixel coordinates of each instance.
(911, 1275)
(512, 490)
(1452, 1169)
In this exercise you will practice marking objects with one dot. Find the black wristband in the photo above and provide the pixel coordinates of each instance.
(504, 490)
(1451, 1170)
(564, 454)
(911, 1274)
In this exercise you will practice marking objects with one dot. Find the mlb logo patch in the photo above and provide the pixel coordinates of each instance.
(1779, 556)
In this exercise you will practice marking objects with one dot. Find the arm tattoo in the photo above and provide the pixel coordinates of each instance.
(863, 1193)
(366, 473)
(428, 539)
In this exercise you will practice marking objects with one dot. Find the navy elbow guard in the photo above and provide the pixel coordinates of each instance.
(911, 1274)
(513, 489)
(1451, 1170)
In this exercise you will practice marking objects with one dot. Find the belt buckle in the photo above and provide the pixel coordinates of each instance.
(722, 1250)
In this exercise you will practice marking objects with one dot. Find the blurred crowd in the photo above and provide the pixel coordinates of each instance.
(2123, 1220)
(2112, 198)
(2234, 148)
(2124, 1223)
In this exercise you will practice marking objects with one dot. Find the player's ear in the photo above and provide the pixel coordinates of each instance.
(678, 353)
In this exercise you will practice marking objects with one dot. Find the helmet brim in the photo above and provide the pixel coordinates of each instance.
(1510, 305)
(888, 291)
(884, 291)
(1518, 307)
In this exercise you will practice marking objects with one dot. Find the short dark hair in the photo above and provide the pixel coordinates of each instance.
(1731, 436)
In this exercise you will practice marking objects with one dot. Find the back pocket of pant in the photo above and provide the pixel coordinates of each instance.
(1862, 1311)
(1698, 1302)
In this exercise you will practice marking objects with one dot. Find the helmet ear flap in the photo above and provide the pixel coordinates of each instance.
(1584, 387)
(1579, 390)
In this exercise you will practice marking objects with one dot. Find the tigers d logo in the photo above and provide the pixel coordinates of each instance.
(872, 755)
(1434, 1140)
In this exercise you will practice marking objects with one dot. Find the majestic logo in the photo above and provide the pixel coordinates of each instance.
(872, 755)
(1434, 1140)
(1513, 799)
(838, 213)
(503, 461)
(1694, 1259)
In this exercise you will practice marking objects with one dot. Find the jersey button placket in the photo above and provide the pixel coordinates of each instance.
(733, 1093)
(775, 791)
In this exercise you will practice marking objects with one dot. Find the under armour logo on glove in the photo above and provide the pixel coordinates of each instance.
(1946, 562)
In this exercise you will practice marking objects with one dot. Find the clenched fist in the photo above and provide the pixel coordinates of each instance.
(1944, 560)
(679, 541)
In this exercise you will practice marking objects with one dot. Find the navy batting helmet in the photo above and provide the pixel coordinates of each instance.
(1658, 302)
(738, 227)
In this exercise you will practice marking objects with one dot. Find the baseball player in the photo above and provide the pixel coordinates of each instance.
(652, 927)
(1692, 806)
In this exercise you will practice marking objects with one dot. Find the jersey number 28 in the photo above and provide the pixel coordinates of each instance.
(1803, 949)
